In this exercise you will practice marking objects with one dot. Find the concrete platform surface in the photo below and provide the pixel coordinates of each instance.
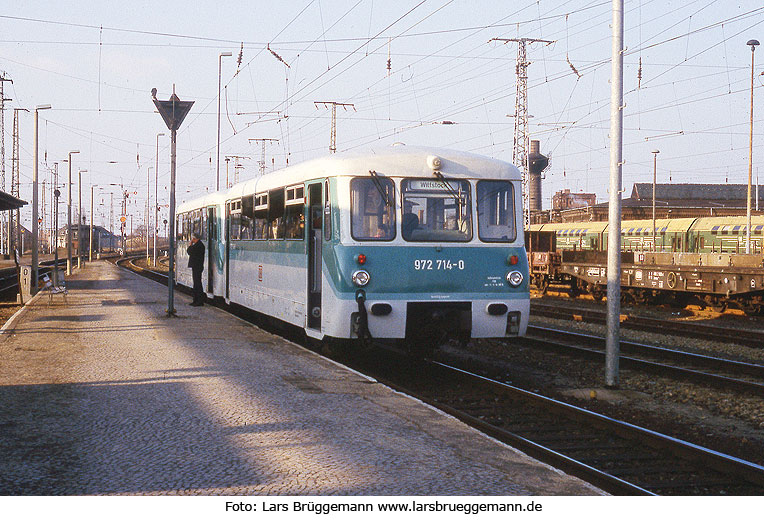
(104, 394)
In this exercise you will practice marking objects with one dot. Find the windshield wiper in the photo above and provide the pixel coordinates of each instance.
(380, 188)
(456, 196)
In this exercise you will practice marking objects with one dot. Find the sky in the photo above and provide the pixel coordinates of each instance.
(687, 88)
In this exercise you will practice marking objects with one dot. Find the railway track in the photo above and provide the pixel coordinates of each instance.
(9, 279)
(619, 457)
(718, 372)
(750, 338)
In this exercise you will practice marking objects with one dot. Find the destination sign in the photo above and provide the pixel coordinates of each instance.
(435, 185)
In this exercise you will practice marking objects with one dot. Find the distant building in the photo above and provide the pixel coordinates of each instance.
(103, 239)
(671, 201)
(564, 199)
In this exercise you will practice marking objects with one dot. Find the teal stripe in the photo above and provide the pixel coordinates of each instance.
(399, 272)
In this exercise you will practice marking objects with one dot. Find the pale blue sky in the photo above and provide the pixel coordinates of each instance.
(96, 62)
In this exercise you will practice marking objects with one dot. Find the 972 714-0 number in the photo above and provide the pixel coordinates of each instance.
(438, 265)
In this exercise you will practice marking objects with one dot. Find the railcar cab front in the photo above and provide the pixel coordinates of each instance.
(425, 256)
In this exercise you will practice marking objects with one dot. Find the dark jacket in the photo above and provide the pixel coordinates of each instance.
(196, 255)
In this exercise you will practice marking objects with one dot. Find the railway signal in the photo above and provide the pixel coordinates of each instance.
(173, 111)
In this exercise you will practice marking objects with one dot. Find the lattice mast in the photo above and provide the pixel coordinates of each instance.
(15, 234)
(4, 220)
(263, 141)
(522, 136)
(334, 105)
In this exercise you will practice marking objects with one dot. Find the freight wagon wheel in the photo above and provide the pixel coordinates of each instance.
(680, 300)
(597, 293)
(627, 298)
(751, 309)
(716, 305)
(542, 283)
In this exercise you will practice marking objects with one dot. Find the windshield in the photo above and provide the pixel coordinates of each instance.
(436, 210)
(372, 203)
(496, 211)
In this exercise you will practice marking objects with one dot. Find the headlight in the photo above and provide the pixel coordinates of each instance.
(361, 278)
(514, 278)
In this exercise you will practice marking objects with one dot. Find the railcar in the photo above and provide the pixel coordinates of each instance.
(726, 234)
(405, 243)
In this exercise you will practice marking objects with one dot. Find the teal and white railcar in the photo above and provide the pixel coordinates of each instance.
(401, 243)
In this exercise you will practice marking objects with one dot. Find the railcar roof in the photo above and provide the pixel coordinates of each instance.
(708, 223)
(590, 227)
(393, 161)
(207, 200)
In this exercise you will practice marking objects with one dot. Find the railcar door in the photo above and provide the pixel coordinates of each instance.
(315, 226)
(227, 226)
(212, 247)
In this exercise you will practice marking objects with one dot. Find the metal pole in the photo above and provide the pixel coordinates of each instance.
(35, 242)
(612, 348)
(148, 208)
(171, 237)
(227, 184)
(79, 221)
(217, 168)
(111, 219)
(90, 248)
(156, 200)
(56, 194)
(753, 44)
(655, 168)
(123, 225)
(69, 219)
(35, 267)
(69, 222)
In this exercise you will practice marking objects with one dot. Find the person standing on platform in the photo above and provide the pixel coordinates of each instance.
(196, 263)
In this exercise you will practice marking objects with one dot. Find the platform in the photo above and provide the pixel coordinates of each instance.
(104, 394)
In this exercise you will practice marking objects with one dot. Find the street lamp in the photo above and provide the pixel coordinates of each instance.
(79, 221)
(69, 219)
(655, 169)
(90, 248)
(156, 200)
(35, 245)
(217, 168)
(148, 211)
(752, 44)
(56, 194)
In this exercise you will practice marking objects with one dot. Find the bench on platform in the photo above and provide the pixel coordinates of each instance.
(52, 289)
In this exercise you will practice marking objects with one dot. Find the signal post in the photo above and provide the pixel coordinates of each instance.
(173, 111)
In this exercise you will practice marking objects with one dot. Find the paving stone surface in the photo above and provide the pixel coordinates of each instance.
(102, 394)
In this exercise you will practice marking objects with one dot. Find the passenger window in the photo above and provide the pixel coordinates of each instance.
(236, 220)
(327, 212)
(372, 206)
(276, 214)
(294, 213)
(261, 216)
(496, 211)
(247, 222)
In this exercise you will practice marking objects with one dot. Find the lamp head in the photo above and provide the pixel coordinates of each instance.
(225, 54)
(42, 107)
(753, 44)
(656, 151)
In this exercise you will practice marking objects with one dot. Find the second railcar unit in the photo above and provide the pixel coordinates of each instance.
(402, 243)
